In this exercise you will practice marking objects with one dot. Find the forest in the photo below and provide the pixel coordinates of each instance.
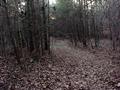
(59, 44)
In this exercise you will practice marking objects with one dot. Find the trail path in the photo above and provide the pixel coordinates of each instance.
(68, 68)
(87, 69)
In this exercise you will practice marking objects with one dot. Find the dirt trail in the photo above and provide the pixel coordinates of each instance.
(69, 68)
(88, 69)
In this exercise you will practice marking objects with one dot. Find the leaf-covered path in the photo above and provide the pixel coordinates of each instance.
(67, 68)
(86, 69)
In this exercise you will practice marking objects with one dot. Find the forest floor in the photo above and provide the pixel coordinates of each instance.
(68, 68)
